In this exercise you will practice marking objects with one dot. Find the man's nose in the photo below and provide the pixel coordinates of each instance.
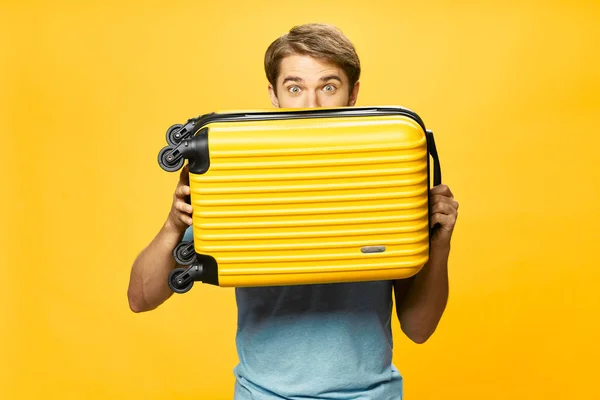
(312, 100)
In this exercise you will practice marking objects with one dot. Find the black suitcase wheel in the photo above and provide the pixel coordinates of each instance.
(184, 253)
(174, 136)
(166, 163)
(176, 282)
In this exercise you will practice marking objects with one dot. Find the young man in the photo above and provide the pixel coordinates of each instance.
(314, 341)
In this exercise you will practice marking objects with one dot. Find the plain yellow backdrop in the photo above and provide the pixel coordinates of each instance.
(88, 89)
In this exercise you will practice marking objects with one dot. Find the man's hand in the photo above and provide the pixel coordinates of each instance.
(148, 286)
(444, 211)
(421, 300)
(180, 214)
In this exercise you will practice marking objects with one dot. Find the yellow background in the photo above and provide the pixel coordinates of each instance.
(88, 89)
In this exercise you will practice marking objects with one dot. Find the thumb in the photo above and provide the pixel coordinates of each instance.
(184, 175)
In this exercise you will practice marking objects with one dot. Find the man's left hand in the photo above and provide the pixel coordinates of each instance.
(444, 211)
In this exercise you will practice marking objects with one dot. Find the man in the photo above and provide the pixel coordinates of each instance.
(330, 341)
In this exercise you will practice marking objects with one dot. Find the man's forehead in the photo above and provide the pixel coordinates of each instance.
(322, 77)
(305, 67)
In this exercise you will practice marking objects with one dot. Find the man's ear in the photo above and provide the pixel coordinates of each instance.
(274, 99)
(354, 94)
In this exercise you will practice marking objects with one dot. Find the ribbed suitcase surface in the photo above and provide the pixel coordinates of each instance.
(312, 200)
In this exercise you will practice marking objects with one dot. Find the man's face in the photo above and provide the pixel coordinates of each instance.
(305, 82)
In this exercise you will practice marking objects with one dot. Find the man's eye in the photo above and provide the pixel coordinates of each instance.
(329, 88)
(294, 89)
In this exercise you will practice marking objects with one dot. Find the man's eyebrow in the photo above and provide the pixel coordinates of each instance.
(292, 79)
(331, 77)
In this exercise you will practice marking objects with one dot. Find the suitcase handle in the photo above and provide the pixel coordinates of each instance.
(437, 169)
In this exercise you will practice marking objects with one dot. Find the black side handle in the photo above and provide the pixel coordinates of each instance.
(437, 169)
(195, 149)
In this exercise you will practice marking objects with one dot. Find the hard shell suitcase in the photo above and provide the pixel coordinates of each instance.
(304, 196)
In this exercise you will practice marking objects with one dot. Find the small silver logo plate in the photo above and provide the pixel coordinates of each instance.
(372, 249)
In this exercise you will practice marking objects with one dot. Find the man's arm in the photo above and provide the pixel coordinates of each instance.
(148, 283)
(421, 299)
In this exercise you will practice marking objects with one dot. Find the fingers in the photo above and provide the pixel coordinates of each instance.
(184, 171)
(442, 190)
(183, 211)
(184, 175)
(181, 219)
(186, 219)
(438, 199)
(444, 214)
(181, 191)
(183, 207)
(445, 221)
(444, 208)
(179, 215)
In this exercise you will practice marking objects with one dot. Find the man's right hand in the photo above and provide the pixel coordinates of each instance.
(180, 215)
(148, 284)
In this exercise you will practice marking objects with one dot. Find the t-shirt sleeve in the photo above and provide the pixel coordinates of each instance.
(188, 236)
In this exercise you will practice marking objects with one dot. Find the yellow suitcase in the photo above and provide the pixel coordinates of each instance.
(304, 196)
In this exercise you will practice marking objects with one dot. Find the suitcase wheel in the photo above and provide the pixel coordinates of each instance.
(174, 135)
(179, 282)
(168, 162)
(184, 253)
